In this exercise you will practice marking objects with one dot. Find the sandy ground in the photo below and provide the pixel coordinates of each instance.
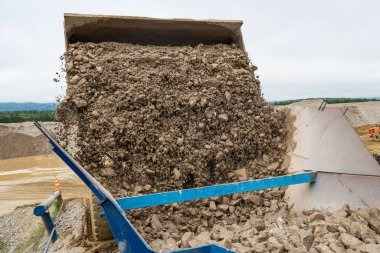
(26, 176)
(28, 180)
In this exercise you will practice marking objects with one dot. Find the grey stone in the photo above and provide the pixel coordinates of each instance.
(223, 207)
(274, 246)
(176, 174)
(369, 248)
(156, 245)
(223, 117)
(337, 247)
(306, 237)
(349, 241)
(186, 237)
(80, 103)
(212, 206)
(241, 174)
(321, 248)
(155, 222)
(226, 234)
(258, 224)
(316, 216)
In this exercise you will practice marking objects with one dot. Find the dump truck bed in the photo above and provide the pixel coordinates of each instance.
(151, 31)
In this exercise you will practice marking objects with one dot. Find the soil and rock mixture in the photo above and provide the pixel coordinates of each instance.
(168, 118)
(159, 118)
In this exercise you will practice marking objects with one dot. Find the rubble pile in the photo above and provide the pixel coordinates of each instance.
(159, 118)
(313, 231)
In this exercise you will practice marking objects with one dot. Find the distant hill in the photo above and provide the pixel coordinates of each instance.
(28, 106)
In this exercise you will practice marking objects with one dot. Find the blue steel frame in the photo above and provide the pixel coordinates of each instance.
(126, 236)
(164, 198)
(42, 210)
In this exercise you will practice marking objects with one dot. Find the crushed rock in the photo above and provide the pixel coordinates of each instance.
(159, 118)
(346, 231)
(169, 117)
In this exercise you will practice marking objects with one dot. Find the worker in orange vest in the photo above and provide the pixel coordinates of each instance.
(374, 131)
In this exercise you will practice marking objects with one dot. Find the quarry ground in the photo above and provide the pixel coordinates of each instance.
(21, 231)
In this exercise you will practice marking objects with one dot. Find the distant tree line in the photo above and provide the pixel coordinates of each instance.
(48, 115)
(22, 116)
(328, 100)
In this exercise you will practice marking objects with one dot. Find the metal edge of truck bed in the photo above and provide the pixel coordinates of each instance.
(150, 31)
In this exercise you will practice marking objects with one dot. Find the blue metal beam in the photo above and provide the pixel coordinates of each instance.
(209, 248)
(164, 198)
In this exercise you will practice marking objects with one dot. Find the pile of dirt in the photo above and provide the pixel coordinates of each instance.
(19, 145)
(159, 118)
(165, 117)
(24, 139)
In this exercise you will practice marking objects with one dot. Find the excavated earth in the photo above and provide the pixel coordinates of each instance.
(166, 118)
(159, 118)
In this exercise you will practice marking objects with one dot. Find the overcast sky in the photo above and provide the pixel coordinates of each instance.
(302, 48)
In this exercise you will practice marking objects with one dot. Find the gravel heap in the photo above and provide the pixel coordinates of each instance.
(159, 118)
(313, 231)
(14, 136)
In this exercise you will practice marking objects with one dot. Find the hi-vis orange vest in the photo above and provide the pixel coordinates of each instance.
(374, 131)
